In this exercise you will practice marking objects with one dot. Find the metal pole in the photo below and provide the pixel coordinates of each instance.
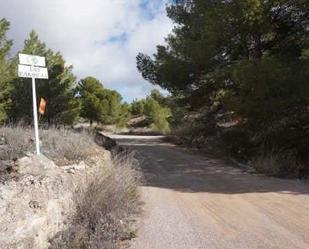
(35, 118)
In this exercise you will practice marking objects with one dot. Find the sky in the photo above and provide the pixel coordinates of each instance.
(100, 38)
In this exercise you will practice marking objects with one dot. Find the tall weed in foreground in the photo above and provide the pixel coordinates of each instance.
(105, 205)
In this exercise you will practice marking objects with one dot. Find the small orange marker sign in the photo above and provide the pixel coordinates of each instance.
(42, 106)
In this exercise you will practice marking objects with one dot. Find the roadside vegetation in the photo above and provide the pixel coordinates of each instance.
(238, 73)
(62, 146)
(106, 201)
(106, 204)
(155, 111)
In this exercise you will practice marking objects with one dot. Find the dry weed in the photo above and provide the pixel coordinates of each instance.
(105, 205)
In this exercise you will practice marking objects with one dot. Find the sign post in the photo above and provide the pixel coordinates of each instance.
(35, 117)
(33, 67)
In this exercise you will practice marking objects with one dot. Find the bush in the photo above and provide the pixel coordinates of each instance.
(278, 164)
(236, 142)
(157, 115)
(288, 133)
(104, 206)
(17, 142)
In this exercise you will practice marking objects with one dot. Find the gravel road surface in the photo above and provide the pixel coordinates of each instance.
(198, 202)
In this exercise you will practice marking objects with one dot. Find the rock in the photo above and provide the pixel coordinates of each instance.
(75, 167)
(36, 165)
(71, 171)
(35, 206)
(6, 167)
(105, 141)
(2, 140)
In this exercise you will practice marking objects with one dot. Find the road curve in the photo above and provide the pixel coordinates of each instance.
(198, 202)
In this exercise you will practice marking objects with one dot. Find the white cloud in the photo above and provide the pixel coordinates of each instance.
(99, 37)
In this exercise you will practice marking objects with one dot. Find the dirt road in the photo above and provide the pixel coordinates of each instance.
(194, 202)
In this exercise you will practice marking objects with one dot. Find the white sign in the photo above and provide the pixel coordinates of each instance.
(32, 72)
(33, 67)
(32, 60)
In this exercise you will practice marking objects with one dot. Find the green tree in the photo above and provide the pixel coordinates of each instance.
(216, 45)
(245, 61)
(138, 107)
(5, 70)
(100, 104)
(114, 106)
(91, 94)
(157, 115)
(58, 90)
(158, 96)
(124, 116)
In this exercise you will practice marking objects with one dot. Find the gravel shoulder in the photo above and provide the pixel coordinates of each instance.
(198, 202)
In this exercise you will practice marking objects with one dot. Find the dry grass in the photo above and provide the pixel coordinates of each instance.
(66, 147)
(62, 146)
(16, 142)
(107, 198)
(104, 206)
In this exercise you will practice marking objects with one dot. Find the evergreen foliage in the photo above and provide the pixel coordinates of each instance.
(155, 109)
(138, 106)
(246, 61)
(251, 56)
(5, 70)
(58, 90)
(100, 104)
(67, 100)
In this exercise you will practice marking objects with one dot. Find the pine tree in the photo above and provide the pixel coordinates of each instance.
(124, 116)
(157, 115)
(58, 90)
(5, 70)
(114, 107)
(246, 57)
(100, 104)
(91, 95)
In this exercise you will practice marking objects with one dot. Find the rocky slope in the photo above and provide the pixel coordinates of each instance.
(36, 199)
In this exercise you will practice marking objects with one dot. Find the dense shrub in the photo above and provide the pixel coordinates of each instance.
(279, 164)
(290, 133)
(279, 150)
(236, 142)
(156, 113)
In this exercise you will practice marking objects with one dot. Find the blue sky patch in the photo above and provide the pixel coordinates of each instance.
(149, 8)
(121, 38)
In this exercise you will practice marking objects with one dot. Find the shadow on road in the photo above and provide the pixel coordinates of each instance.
(167, 166)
